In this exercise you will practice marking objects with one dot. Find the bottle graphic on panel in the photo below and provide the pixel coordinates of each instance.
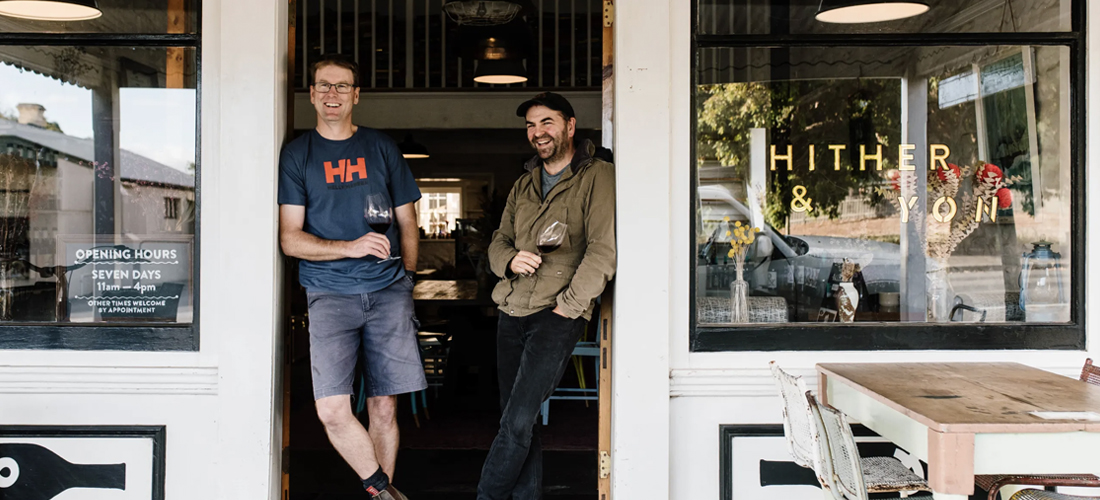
(33, 472)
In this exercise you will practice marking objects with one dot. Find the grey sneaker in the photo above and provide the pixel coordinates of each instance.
(390, 493)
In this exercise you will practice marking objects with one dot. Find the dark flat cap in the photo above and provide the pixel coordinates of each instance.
(549, 99)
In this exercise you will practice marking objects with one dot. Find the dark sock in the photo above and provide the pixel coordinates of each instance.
(377, 482)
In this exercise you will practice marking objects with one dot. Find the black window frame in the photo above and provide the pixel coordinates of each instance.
(122, 336)
(875, 336)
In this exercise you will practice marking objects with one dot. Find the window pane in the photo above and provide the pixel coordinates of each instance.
(763, 17)
(943, 172)
(119, 16)
(97, 184)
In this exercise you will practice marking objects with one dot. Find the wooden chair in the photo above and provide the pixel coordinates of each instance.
(844, 468)
(798, 426)
(994, 482)
(805, 442)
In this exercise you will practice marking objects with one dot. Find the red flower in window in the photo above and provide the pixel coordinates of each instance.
(990, 174)
(952, 170)
(895, 179)
(1004, 198)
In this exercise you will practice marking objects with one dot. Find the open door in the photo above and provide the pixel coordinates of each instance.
(607, 304)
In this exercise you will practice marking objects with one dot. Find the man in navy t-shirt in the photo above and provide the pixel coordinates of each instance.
(360, 298)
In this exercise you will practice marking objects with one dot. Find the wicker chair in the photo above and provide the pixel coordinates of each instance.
(1030, 494)
(846, 471)
(994, 482)
(805, 442)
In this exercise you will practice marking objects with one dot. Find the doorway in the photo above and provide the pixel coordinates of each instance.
(417, 83)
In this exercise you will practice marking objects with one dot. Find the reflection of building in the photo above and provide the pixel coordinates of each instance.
(47, 190)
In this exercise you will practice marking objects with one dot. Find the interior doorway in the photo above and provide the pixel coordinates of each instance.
(418, 69)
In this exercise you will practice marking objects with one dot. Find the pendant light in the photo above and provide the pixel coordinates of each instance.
(868, 11)
(498, 52)
(51, 10)
(485, 12)
(411, 149)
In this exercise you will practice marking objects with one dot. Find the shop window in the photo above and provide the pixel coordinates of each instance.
(856, 194)
(98, 161)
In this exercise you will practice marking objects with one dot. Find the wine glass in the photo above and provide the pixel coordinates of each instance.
(379, 217)
(552, 237)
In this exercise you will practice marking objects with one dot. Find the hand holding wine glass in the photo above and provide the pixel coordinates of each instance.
(379, 215)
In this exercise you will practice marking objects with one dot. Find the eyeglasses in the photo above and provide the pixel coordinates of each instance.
(342, 88)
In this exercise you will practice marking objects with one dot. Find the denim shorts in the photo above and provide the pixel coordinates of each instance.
(381, 324)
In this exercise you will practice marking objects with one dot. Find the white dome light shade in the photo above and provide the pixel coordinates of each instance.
(51, 10)
(500, 71)
(868, 11)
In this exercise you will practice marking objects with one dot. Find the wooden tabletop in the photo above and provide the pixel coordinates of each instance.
(445, 290)
(973, 397)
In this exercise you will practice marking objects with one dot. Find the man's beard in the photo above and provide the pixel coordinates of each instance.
(557, 148)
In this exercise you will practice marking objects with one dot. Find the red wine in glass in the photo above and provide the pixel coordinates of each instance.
(379, 227)
(548, 248)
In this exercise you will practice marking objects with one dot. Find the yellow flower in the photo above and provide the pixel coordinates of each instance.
(725, 219)
(738, 223)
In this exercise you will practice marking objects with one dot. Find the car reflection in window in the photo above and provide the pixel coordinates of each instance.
(803, 269)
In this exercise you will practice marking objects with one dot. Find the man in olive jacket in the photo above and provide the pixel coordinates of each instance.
(545, 300)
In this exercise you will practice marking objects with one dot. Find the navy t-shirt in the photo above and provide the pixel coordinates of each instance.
(332, 179)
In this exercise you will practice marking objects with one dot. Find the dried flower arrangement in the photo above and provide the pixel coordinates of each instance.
(954, 215)
(741, 238)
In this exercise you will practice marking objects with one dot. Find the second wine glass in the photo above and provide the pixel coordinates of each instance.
(552, 237)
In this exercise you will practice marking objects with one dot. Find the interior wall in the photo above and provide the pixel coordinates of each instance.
(447, 110)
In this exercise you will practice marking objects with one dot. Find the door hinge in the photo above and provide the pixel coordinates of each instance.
(605, 464)
(608, 13)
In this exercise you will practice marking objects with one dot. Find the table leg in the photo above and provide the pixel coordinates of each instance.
(822, 388)
(951, 462)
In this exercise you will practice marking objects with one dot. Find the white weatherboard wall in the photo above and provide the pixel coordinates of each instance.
(678, 436)
(220, 405)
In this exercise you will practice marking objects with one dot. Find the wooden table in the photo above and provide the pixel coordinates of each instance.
(970, 418)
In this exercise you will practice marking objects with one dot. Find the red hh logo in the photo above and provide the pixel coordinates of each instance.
(344, 170)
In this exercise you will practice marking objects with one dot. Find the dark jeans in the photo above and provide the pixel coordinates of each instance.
(532, 354)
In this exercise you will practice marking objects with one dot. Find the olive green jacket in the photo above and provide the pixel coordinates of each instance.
(572, 276)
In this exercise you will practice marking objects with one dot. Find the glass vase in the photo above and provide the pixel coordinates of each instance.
(739, 298)
(938, 291)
